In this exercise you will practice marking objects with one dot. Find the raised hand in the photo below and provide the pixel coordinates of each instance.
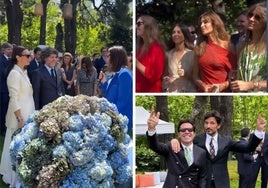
(153, 120)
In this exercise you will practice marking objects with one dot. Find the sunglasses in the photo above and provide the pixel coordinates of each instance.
(139, 23)
(26, 55)
(186, 129)
(256, 16)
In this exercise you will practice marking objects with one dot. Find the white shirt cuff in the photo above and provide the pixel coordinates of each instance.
(151, 133)
(259, 134)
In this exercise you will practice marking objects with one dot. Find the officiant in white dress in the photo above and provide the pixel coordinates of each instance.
(20, 106)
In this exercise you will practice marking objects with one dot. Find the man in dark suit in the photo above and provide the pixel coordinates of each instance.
(217, 147)
(186, 168)
(245, 163)
(4, 97)
(262, 158)
(46, 81)
(242, 25)
(35, 63)
(99, 63)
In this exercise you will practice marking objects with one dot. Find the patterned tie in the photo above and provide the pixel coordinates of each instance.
(188, 155)
(211, 149)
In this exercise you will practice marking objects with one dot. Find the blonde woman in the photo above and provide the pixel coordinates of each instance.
(252, 53)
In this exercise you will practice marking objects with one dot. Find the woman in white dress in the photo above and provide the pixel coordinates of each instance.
(21, 105)
(180, 61)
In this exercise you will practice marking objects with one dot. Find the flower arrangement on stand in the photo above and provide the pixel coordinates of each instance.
(76, 141)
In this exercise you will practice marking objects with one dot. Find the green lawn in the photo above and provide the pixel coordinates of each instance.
(232, 166)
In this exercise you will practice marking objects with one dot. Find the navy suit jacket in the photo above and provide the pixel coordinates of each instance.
(45, 89)
(99, 64)
(265, 149)
(119, 92)
(218, 165)
(3, 74)
(244, 160)
(179, 173)
(32, 67)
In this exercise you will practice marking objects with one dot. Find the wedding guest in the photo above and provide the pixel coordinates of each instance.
(262, 157)
(245, 162)
(87, 78)
(180, 61)
(150, 56)
(253, 53)
(118, 89)
(35, 63)
(21, 105)
(218, 147)
(186, 168)
(68, 74)
(242, 26)
(215, 55)
(47, 81)
(4, 98)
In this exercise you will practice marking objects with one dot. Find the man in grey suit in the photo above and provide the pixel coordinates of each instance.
(47, 81)
(217, 147)
(186, 168)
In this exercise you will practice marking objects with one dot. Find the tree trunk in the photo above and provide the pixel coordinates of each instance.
(14, 19)
(162, 106)
(224, 105)
(59, 38)
(198, 112)
(43, 23)
(71, 30)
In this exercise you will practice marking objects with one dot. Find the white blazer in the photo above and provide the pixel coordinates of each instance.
(21, 96)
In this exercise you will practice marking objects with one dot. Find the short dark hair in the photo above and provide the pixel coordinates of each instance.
(37, 49)
(245, 132)
(215, 114)
(185, 121)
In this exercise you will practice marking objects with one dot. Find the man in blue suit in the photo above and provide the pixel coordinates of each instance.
(4, 98)
(99, 63)
(35, 63)
(47, 81)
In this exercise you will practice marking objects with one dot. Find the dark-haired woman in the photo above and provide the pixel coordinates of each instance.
(118, 89)
(20, 106)
(87, 78)
(180, 62)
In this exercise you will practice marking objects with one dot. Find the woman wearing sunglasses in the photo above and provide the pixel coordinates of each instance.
(21, 105)
(150, 56)
(252, 53)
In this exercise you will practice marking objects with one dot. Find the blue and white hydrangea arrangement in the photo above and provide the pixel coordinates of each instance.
(76, 141)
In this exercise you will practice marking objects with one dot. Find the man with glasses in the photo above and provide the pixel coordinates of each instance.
(186, 168)
(217, 147)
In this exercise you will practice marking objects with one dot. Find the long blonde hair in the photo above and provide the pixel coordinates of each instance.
(151, 33)
(219, 31)
(260, 44)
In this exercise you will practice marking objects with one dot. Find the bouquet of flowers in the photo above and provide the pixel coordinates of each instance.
(76, 141)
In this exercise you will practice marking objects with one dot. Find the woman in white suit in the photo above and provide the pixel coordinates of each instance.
(20, 106)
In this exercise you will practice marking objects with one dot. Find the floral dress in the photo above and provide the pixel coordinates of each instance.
(252, 66)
